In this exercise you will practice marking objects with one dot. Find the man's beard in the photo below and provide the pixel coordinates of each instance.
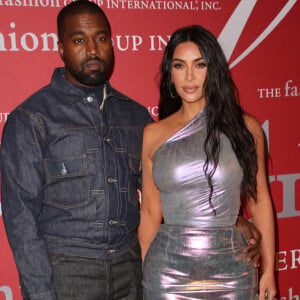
(92, 78)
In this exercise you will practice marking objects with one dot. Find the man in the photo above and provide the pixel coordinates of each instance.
(70, 168)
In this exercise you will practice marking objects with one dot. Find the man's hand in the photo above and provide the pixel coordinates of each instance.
(253, 237)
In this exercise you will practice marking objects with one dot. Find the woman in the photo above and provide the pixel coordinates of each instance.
(196, 161)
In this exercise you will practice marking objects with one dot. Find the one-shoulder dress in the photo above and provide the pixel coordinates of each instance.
(198, 252)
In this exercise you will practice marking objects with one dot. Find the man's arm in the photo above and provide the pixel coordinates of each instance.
(253, 237)
(22, 180)
(139, 180)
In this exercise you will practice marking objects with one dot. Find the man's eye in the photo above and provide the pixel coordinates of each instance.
(101, 38)
(78, 41)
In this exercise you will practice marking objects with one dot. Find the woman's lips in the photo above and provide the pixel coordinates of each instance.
(190, 89)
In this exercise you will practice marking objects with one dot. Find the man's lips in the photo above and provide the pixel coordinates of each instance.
(93, 64)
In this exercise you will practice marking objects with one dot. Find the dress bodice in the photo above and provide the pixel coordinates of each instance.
(184, 190)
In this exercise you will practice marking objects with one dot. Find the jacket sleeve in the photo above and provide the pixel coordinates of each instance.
(148, 121)
(22, 180)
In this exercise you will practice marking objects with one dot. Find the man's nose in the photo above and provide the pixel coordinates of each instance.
(91, 48)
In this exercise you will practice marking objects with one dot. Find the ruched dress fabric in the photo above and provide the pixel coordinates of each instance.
(198, 252)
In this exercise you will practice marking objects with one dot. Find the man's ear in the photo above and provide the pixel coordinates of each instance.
(60, 49)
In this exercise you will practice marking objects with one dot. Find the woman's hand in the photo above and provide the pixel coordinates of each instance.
(253, 237)
(267, 288)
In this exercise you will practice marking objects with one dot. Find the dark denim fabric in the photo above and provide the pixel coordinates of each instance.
(69, 175)
(78, 278)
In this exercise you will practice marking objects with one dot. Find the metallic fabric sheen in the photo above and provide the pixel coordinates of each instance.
(198, 251)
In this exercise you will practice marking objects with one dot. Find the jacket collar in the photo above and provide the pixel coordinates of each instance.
(71, 93)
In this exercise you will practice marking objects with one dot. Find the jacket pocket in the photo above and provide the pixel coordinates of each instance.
(67, 181)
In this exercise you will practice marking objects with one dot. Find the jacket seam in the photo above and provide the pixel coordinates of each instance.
(34, 119)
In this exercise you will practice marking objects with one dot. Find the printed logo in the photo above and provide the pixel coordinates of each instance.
(7, 292)
(228, 38)
(236, 23)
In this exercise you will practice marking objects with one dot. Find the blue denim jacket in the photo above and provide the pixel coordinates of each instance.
(70, 169)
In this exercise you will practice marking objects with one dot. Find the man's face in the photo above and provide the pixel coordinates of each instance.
(86, 49)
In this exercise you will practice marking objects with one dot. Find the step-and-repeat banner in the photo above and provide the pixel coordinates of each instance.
(261, 41)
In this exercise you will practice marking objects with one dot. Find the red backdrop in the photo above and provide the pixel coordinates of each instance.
(261, 41)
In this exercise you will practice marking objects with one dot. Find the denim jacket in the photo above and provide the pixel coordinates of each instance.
(70, 168)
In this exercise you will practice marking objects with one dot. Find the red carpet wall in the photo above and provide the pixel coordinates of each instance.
(261, 41)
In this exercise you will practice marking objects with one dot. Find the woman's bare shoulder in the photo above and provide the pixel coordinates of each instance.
(157, 128)
(253, 126)
(156, 133)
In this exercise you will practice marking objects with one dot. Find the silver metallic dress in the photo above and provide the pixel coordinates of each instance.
(196, 253)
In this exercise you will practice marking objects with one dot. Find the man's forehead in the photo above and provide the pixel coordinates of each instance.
(80, 23)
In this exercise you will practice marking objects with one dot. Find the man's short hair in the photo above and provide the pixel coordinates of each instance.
(78, 7)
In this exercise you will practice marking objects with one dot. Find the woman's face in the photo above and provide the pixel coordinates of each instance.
(188, 72)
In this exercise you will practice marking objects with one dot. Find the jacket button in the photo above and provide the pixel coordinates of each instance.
(111, 180)
(107, 139)
(89, 99)
(112, 222)
(64, 170)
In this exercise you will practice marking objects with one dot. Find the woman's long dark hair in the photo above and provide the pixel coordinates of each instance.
(223, 111)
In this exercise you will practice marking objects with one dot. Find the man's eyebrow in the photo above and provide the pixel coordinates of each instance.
(78, 32)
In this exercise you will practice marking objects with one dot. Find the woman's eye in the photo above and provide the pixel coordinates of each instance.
(178, 66)
(201, 65)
